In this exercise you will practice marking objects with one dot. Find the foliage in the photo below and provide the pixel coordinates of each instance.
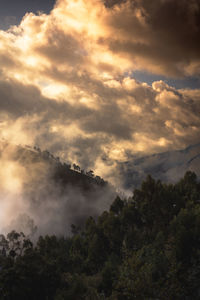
(146, 247)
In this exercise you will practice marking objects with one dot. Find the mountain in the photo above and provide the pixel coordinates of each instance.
(35, 185)
(168, 166)
(60, 171)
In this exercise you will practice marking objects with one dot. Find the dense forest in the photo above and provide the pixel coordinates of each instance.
(144, 247)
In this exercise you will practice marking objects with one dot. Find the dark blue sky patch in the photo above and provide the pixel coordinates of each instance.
(12, 11)
(188, 82)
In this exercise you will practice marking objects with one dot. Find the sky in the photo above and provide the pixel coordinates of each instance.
(11, 12)
(98, 82)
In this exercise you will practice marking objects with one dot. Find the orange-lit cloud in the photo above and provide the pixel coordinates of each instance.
(66, 81)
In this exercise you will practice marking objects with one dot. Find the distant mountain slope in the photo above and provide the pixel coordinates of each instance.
(168, 166)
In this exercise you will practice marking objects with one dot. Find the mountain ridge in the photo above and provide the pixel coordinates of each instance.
(166, 166)
(37, 184)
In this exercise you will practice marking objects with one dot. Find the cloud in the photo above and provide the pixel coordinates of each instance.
(66, 82)
(158, 36)
(130, 118)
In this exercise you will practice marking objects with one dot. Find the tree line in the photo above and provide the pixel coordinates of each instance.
(144, 247)
(45, 154)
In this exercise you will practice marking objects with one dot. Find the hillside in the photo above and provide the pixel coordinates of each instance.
(169, 166)
(60, 171)
(52, 193)
(144, 247)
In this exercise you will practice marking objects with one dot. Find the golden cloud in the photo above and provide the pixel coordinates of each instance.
(66, 79)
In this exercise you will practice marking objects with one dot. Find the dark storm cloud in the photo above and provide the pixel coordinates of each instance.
(64, 49)
(164, 33)
(21, 100)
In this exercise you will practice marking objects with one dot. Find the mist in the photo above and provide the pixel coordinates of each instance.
(34, 202)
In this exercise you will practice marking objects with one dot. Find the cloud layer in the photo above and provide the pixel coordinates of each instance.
(66, 80)
(161, 36)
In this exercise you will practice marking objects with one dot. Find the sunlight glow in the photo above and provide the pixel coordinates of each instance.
(55, 91)
(10, 179)
(31, 61)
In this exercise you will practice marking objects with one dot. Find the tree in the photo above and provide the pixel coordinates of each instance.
(117, 206)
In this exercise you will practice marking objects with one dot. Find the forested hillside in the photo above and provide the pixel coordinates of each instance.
(54, 193)
(144, 247)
